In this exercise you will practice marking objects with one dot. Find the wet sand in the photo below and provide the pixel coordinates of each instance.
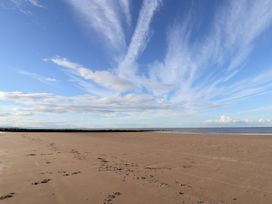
(130, 168)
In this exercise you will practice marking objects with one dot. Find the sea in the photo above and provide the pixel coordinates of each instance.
(222, 130)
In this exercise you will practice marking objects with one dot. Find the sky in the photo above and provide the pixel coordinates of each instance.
(135, 64)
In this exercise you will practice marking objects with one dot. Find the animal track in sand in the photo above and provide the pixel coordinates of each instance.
(111, 197)
(6, 196)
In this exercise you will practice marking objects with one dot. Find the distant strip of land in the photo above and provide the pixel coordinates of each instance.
(73, 130)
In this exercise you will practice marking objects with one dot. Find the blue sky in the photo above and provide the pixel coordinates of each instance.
(124, 63)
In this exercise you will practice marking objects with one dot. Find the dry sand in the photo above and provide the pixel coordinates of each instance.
(130, 168)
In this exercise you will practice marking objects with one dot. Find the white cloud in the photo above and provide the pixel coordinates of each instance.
(33, 103)
(225, 119)
(177, 69)
(39, 77)
(197, 72)
(4, 115)
(102, 78)
(27, 97)
(192, 74)
(50, 79)
(31, 122)
(105, 17)
(36, 3)
(229, 121)
(125, 4)
(139, 38)
(23, 5)
(262, 120)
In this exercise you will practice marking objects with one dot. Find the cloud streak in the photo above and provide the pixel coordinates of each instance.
(125, 5)
(36, 3)
(105, 17)
(140, 36)
(105, 79)
(41, 78)
(84, 104)
(23, 5)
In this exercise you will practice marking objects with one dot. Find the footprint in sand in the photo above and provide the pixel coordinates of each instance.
(31, 155)
(41, 182)
(9, 195)
(111, 197)
(133, 170)
(76, 172)
(186, 166)
(102, 160)
(60, 172)
(183, 185)
(78, 155)
(70, 174)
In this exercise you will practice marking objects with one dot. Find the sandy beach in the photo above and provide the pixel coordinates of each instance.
(130, 168)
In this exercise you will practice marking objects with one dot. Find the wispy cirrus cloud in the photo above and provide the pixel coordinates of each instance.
(177, 76)
(233, 45)
(125, 5)
(195, 73)
(105, 79)
(36, 3)
(201, 69)
(105, 17)
(22, 5)
(139, 38)
(41, 78)
(84, 104)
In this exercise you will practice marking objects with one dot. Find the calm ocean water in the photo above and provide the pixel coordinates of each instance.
(223, 130)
